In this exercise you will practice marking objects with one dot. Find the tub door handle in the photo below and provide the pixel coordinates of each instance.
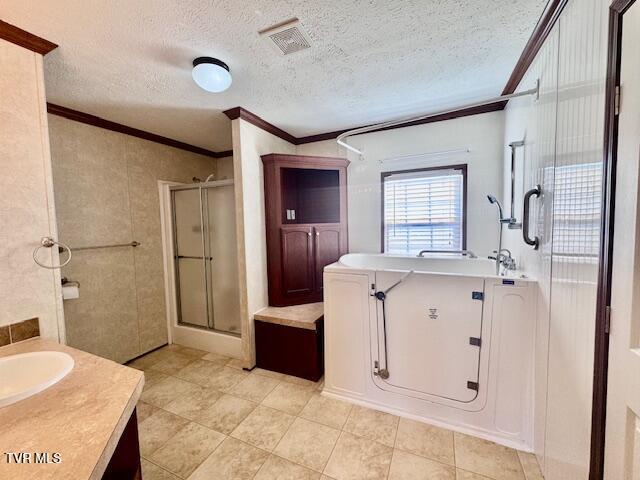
(535, 241)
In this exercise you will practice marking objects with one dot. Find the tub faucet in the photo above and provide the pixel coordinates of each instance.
(504, 258)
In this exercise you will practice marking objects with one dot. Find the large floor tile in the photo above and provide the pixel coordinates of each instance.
(425, 440)
(233, 460)
(151, 471)
(358, 458)
(264, 427)
(308, 443)
(289, 398)
(530, 466)
(268, 373)
(406, 466)
(226, 378)
(226, 414)
(234, 363)
(186, 450)
(199, 371)
(172, 363)
(192, 406)
(144, 411)
(276, 468)
(464, 475)
(153, 377)
(487, 458)
(255, 387)
(216, 359)
(328, 411)
(156, 430)
(166, 391)
(191, 352)
(378, 426)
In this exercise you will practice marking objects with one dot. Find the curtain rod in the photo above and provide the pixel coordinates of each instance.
(358, 131)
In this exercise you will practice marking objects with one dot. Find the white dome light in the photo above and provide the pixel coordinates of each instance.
(211, 74)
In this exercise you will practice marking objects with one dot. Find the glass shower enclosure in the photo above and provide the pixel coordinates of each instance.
(205, 258)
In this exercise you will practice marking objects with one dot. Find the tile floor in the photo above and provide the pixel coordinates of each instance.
(201, 417)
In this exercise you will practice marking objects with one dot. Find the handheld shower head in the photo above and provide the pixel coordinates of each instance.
(494, 201)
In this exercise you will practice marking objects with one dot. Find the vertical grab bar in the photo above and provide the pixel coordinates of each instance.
(535, 241)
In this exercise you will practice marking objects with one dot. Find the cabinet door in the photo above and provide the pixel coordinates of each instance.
(327, 249)
(297, 259)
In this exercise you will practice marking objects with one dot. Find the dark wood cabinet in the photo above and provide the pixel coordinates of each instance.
(306, 222)
(327, 248)
(297, 260)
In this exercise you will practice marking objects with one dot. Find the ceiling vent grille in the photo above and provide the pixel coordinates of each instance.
(286, 37)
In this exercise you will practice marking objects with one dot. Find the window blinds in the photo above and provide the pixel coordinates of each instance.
(577, 203)
(423, 210)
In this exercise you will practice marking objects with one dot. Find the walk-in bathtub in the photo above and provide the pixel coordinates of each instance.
(452, 344)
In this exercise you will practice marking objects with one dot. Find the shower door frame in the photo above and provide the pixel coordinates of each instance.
(191, 336)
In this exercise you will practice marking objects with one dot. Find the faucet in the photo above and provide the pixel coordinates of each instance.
(504, 259)
(501, 221)
(466, 253)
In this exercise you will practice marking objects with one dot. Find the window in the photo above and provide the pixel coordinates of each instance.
(577, 203)
(424, 210)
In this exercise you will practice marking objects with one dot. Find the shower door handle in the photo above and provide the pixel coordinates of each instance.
(535, 241)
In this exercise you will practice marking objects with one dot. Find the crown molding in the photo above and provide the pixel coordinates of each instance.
(99, 122)
(27, 40)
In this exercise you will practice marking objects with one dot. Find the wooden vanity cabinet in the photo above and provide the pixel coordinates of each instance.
(306, 223)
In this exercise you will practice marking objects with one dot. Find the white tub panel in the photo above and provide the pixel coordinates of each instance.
(513, 352)
(346, 302)
(429, 321)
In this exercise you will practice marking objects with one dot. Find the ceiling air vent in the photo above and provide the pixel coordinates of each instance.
(286, 37)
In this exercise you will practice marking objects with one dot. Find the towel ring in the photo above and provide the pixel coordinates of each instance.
(48, 242)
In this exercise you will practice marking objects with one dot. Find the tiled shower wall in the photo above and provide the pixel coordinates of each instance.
(563, 132)
(106, 192)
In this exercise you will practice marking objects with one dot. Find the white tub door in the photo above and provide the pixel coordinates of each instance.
(432, 334)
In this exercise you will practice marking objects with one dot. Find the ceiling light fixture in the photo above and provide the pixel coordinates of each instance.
(211, 74)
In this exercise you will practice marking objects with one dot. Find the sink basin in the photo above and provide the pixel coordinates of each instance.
(26, 374)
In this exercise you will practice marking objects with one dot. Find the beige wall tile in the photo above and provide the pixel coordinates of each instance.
(27, 209)
(106, 187)
(103, 321)
(24, 330)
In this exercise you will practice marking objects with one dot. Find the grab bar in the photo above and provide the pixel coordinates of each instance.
(535, 241)
(467, 253)
(130, 244)
(382, 295)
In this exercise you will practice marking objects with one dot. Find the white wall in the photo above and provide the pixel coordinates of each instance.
(249, 144)
(482, 134)
(564, 128)
(27, 210)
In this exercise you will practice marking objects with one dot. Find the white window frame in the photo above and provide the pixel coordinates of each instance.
(430, 172)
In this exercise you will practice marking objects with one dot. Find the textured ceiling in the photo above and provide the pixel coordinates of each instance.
(374, 60)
